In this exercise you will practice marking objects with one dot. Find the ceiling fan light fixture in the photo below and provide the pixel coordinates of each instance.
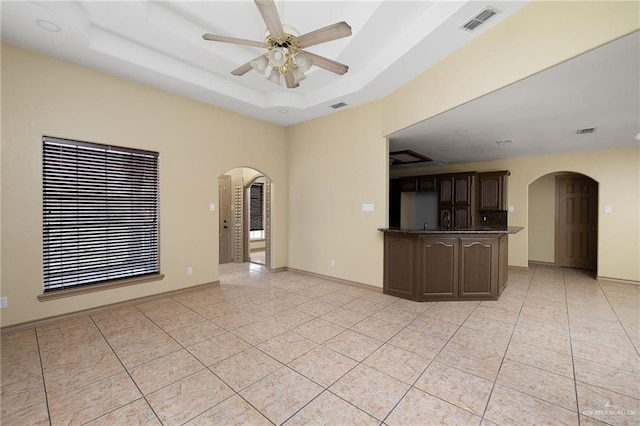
(304, 62)
(277, 58)
(274, 76)
(260, 64)
(298, 75)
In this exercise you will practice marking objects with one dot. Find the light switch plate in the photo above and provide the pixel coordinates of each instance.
(511, 209)
(608, 209)
(212, 207)
(367, 208)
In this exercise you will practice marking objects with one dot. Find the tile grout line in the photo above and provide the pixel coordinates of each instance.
(44, 383)
(618, 318)
(495, 381)
(412, 386)
(142, 395)
(573, 364)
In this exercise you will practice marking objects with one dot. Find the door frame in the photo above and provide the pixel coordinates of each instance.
(244, 240)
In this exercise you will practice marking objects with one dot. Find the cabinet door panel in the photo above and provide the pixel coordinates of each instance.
(399, 268)
(478, 267)
(491, 192)
(503, 263)
(462, 190)
(427, 183)
(409, 184)
(445, 194)
(438, 268)
(462, 217)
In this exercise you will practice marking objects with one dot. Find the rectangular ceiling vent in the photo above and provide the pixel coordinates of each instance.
(586, 130)
(480, 18)
(338, 105)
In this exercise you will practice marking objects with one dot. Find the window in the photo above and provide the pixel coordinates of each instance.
(256, 207)
(100, 213)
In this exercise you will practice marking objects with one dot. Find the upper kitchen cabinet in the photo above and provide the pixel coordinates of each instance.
(492, 191)
(456, 200)
(427, 183)
(408, 184)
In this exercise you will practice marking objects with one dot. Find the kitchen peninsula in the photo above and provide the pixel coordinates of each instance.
(446, 264)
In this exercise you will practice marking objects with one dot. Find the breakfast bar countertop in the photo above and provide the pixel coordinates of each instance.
(473, 230)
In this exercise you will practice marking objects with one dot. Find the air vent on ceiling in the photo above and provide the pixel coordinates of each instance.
(586, 130)
(338, 105)
(505, 142)
(480, 18)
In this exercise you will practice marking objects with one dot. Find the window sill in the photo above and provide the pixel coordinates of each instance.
(70, 292)
(256, 240)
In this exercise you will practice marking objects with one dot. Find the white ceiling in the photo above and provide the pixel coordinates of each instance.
(393, 41)
(541, 113)
(160, 44)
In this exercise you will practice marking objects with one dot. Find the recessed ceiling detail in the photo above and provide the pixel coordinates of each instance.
(407, 156)
(285, 56)
(159, 43)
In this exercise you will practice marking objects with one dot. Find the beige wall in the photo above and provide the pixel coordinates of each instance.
(322, 170)
(538, 36)
(197, 143)
(337, 163)
(541, 224)
(618, 175)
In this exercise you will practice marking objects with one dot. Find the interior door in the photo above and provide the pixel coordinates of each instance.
(224, 201)
(576, 222)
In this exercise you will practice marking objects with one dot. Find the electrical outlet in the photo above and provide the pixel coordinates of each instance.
(189, 270)
(4, 302)
(333, 263)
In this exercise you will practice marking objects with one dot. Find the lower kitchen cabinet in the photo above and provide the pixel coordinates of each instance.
(479, 267)
(438, 265)
(445, 266)
(399, 264)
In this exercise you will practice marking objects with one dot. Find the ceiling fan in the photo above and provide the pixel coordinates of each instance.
(285, 48)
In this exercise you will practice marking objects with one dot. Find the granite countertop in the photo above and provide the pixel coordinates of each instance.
(474, 230)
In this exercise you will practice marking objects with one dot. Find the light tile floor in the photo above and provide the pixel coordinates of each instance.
(273, 348)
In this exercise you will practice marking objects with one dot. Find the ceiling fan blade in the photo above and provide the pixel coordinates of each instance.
(288, 78)
(326, 63)
(328, 33)
(269, 12)
(225, 39)
(242, 69)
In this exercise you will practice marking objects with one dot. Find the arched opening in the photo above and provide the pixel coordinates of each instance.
(245, 216)
(563, 220)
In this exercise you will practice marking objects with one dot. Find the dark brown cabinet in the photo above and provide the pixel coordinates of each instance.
(503, 263)
(456, 200)
(492, 191)
(399, 270)
(478, 267)
(427, 183)
(445, 266)
(438, 268)
(409, 184)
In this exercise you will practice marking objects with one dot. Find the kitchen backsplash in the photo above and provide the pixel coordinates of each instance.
(492, 219)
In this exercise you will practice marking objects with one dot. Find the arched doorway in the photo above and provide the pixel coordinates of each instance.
(563, 220)
(238, 233)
